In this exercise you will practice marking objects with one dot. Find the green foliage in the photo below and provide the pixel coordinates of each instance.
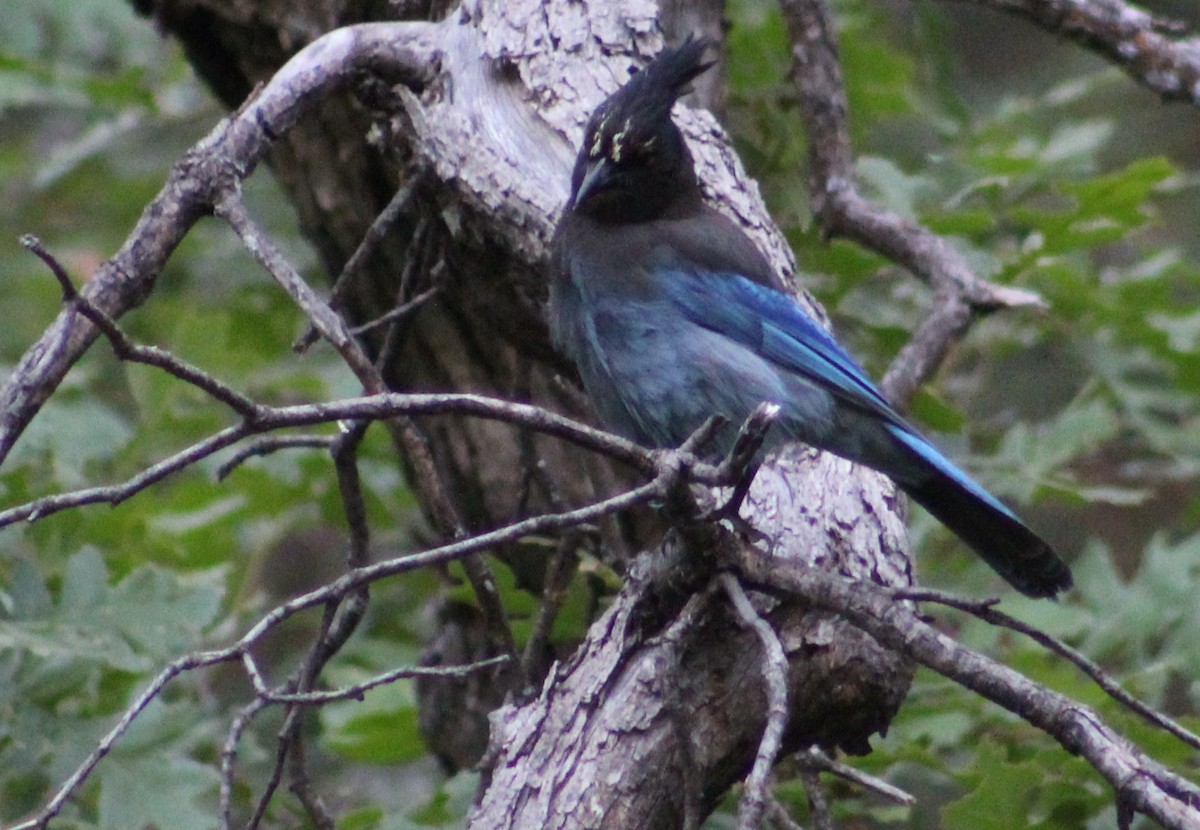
(71, 654)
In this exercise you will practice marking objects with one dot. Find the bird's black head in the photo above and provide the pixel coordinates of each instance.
(634, 165)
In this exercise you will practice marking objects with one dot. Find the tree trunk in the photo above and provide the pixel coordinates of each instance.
(659, 711)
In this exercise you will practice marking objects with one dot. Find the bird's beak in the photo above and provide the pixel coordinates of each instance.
(593, 179)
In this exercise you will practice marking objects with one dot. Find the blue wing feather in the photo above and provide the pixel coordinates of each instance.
(777, 328)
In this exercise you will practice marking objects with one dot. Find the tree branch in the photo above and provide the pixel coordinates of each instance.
(1137, 780)
(406, 52)
(327, 595)
(373, 407)
(816, 759)
(1151, 50)
(959, 295)
(987, 612)
(774, 663)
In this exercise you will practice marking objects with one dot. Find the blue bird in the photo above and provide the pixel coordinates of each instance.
(672, 315)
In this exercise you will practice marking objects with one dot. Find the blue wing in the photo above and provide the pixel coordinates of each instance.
(776, 327)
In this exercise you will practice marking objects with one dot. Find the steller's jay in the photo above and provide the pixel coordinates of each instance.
(671, 315)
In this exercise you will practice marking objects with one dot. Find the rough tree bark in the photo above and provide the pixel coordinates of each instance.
(487, 148)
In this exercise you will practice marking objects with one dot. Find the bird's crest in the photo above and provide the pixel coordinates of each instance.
(629, 120)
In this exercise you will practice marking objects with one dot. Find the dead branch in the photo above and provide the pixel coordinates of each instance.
(1155, 52)
(959, 295)
(1138, 781)
(214, 167)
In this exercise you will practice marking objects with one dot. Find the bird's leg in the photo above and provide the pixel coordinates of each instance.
(732, 507)
(741, 465)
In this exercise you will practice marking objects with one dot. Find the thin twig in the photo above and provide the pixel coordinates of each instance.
(289, 738)
(987, 612)
(815, 758)
(301, 680)
(300, 785)
(272, 444)
(774, 669)
(366, 249)
(557, 580)
(495, 617)
(359, 690)
(397, 313)
(340, 620)
(127, 350)
(331, 325)
(346, 617)
(818, 803)
(229, 754)
(354, 504)
(780, 816)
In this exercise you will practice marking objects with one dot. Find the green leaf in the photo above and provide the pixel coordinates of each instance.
(1122, 193)
(149, 614)
(157, 790)
(164, 613)
(1033, 458)
(891, 186)
(450, 804)
(380, 729)
(1002, 795)
(69, 434)
(379, 737)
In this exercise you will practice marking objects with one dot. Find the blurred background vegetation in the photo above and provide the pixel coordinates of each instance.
(1050, 169)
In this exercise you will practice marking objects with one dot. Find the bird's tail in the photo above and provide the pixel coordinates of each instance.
(1014, 551)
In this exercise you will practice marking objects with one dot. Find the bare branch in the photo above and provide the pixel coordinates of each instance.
(354, 506)
(499, 629)
(127, 350)
(271, 444)
(775, 669)
(559, 573)
(817, 759)
(780, 816)
(366, 249)
(1138, 781)
(300, 785)
(397, 313)
(374, 407)
(229, 754)
(818, 803)
(357, 691)
(289, 735)
(959, 294)
(331, 325)
(405, 52)
(987, 612)
(1150, 49)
